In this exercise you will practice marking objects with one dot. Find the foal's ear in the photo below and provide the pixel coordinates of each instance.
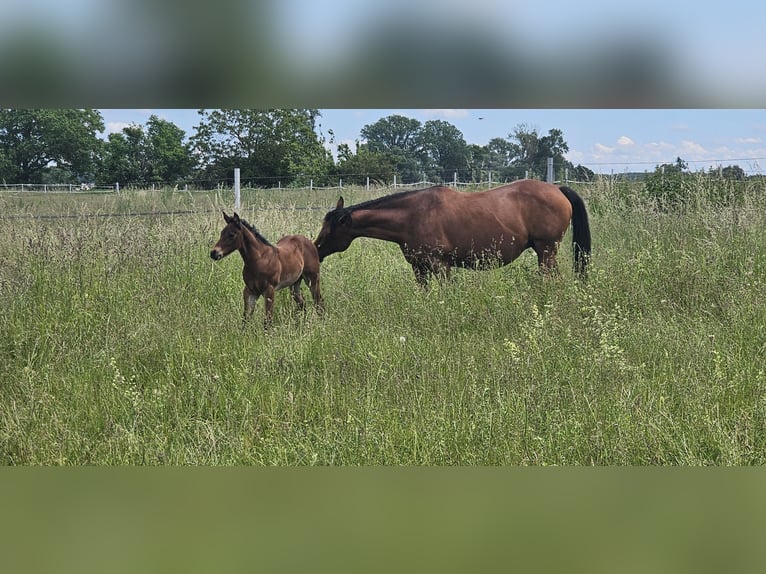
(226, 218)
(339, 205)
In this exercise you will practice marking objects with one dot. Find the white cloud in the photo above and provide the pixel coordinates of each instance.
(114, 127)
(449, 114)
(693, 148)
(749, 140)
(625, 141)
(602, 149)
(661, 147)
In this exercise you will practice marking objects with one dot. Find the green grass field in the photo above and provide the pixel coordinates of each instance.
(120, 341)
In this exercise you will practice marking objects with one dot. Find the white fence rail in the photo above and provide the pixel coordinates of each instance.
(56, 187)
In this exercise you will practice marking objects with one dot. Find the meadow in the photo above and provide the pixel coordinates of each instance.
(120, 340)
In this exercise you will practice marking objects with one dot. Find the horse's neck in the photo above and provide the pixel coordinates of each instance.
(253, 248)
(387, 224)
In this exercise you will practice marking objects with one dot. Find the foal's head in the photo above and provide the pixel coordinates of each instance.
(231, 237)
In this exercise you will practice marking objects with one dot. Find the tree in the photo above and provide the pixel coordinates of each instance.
(33, 142)
(267, 145)
(531, 151)
(478, 161)
(168, 157)
(667, 186)
(501, 154)
(124, 158)
(398, 136)
(355, 167)
(733, 172)
(582, 173)
(444, 150)
(552, 146)
(395, 134)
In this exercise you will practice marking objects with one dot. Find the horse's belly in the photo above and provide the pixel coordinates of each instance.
(499, 248)
(287, 280)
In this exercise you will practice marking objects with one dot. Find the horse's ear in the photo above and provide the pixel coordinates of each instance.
(235, 217)
(339, 205)
(229, 219)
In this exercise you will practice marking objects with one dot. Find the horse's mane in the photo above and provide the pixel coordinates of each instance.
(254, 231)
(335, 215)
(373, 203)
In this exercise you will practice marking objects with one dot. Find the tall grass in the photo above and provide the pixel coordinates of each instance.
(120, 342)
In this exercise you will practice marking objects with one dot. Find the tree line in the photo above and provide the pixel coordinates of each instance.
(271, 147)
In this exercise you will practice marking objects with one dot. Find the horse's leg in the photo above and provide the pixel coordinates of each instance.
(546, 256)
(312, 280)
(422, 272)
(268, 306)
(443, 271)
(295, 289)
(249, 299)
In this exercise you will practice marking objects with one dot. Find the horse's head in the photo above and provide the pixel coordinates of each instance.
(231, 237)
(335, 234)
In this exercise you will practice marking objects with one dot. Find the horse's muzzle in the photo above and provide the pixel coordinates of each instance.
(215, 254)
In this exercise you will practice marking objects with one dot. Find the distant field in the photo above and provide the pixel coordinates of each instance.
(120, 341)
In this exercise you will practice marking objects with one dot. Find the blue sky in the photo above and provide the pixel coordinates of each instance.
(606, 141)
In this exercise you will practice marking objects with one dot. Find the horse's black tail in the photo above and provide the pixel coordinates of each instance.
(580, 231)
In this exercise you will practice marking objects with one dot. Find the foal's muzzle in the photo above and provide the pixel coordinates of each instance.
(215, 254)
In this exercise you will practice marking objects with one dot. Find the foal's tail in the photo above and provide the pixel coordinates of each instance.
(580, 231)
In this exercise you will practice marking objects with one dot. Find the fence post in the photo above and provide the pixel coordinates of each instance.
(549, 177)
(311, 184)
(454, 180)
(368, 183)
(236, 188)
(490, 178)
(394, 183)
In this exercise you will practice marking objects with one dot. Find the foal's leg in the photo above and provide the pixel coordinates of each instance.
(312, 280)
(249, 299)
(268, 300)
(295, 289)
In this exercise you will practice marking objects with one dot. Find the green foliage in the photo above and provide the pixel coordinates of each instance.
(120, 343)
(528, 152)
(668, 185)
(34, 141)
(444, 150)
(169, 158)
(398, 137)
(269, 146)
(356, 167)
(125, 157)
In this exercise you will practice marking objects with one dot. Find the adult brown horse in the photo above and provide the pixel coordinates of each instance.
(439, 228)
(269, 268)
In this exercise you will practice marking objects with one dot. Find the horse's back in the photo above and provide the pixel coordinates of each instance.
(504, 220)
(525, 207)
(542, 206)
(300, 246)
